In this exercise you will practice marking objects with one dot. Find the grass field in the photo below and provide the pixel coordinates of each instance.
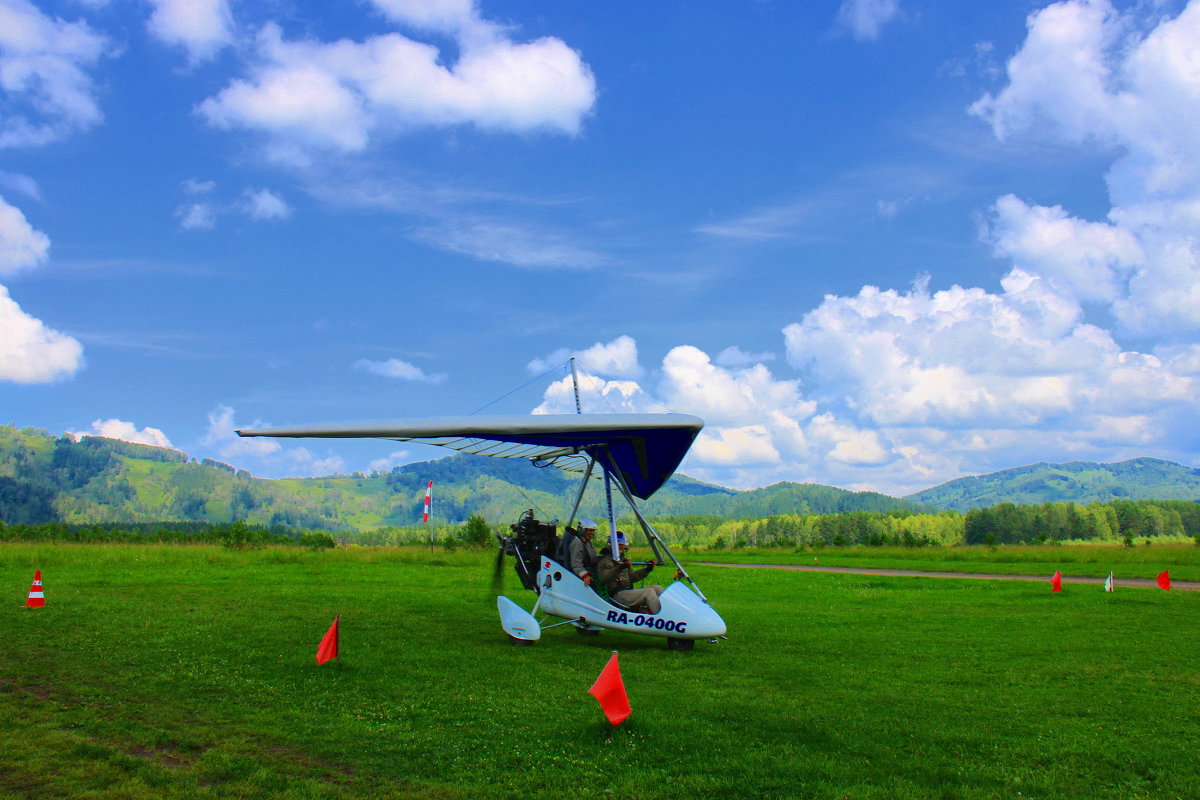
(189, 672)
(1083, 560)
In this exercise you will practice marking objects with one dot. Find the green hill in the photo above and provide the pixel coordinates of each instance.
(44, 478)
(1076, 481)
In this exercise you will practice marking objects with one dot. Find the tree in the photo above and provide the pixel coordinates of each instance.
(475, 533)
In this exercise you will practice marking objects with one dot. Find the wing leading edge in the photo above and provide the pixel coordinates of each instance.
(646, 449)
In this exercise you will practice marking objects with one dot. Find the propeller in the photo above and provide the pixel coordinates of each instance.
(498, 569)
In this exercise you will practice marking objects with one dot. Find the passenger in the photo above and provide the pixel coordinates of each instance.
(581, 555)
(617, 574)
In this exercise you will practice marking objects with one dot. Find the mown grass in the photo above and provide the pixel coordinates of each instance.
(1083, 560)
(163, 671)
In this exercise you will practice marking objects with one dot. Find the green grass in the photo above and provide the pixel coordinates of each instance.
(1082, 560)
(188, 672)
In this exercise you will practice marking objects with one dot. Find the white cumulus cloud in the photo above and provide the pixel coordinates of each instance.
(255, 453)
(1088, 348)
(339, 95)
(21, 246)
(734, 356)
(1071, 42)
(31, 352)
(126, 432)
(1087, 73)
(618, 358)
(222, 434)
(1088, 260)
(203, 27)
(445, 16)
(754, 422)
(391, 460)
(303, 461)
(396, 368)
(43, 79)
(749, 444)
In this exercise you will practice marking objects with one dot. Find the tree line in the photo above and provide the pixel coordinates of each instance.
(1124, 520)
(234, 535)
(1128, 521)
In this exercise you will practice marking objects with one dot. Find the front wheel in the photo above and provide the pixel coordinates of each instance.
(682, 645)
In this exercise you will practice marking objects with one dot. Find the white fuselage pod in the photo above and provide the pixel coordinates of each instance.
(683, 616)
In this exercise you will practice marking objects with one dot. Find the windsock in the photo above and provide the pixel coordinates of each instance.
(428, 502)
(36, 598)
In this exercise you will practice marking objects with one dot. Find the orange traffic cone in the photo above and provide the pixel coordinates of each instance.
(36, 598)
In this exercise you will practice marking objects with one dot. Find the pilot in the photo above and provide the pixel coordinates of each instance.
(581, 554)
(617, 574)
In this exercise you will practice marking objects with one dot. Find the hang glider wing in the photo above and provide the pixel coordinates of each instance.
(645, 448)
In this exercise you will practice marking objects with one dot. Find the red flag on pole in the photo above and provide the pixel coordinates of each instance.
(609, 690)
(36, 598)
(428, 502)
(1056, 581)
(1164, 579)
(329, 645)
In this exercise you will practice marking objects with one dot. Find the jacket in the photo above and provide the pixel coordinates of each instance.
(618, 576)
(582, 556)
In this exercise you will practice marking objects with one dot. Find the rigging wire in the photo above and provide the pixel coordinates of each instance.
(504, 468)
(515, 390)
(449, 409)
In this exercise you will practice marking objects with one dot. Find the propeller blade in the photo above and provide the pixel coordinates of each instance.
(498, 571)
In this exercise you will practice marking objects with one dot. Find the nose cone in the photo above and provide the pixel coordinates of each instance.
(681, 603)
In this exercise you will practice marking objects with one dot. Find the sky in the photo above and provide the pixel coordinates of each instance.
(876, 244)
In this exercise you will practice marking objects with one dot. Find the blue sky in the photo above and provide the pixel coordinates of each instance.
(877, 244)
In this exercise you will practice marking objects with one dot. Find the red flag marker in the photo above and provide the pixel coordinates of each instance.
(1056, 581)
(609, 690)
(329, 645)
(1164, 579)
(36, 598)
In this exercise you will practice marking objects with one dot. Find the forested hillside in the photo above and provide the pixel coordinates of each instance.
(1076, 481)
(48, 479)
(44, 478)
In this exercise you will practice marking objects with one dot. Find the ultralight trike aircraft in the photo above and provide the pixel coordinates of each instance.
(635, 452)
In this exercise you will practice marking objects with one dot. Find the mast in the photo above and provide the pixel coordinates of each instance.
(575, 383)
(591, 460)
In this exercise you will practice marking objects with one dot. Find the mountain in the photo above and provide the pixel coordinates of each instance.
(44, 478)
(1075, 481)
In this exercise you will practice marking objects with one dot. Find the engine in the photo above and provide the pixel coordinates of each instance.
(530, 542)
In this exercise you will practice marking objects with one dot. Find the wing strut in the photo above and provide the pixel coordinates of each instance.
(582, 488)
